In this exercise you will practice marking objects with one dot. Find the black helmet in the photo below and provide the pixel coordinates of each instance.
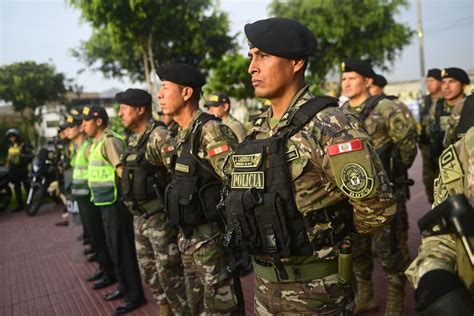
(12, 131)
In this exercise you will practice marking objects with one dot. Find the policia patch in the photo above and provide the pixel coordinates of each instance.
(355, 181)
(247, 180)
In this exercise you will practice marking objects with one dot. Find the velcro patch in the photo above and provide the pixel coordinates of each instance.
(345, 147)
(218, 150)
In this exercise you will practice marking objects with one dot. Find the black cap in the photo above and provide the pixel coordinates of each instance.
(134, 97)
(217, 99)
(182, 74)
(281, 37)
(363, 68)
(94, 112)
(456, 73)
(379, 81)
(434, 73)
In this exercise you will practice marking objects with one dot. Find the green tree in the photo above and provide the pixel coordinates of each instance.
(130, 37)
(343, 29)
(230, 76)
(28, 85)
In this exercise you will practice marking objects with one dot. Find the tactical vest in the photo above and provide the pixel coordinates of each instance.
(261, 213)
(437, 130)
(141, 180)
(79, 186)
(466, 119)
(101, 180)
(193, 194)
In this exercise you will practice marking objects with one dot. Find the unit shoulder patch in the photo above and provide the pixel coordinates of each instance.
(355, 181)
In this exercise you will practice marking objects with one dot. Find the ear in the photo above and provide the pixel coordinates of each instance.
(98, 122)
(368, 82)
(226, 107)
(187, 92)
(140, 110)
(298, 65)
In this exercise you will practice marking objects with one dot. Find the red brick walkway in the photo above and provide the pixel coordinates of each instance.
(40, 274)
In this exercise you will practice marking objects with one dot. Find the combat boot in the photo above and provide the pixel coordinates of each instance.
(364, 299)
(165, 309)
(395, 298)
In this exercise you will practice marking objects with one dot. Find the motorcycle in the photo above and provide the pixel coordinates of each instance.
(42, 175)
(5, 190)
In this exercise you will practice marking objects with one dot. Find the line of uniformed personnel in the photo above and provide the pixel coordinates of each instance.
(305, 196)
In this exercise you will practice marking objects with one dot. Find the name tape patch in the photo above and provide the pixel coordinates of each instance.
(246, 161)
(345, 147)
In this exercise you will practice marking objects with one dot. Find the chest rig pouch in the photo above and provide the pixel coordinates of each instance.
(193, 194)
(261, 214)
(141, 180)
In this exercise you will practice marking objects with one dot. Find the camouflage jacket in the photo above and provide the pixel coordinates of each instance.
(452, 123)
(320, 179)
(391, 121)
(439, 252)
(236, 127)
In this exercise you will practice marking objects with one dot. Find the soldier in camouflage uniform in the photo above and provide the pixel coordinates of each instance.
(144, 180)
(218, 104)
(305, 179)
(201, 146)
(433, 84)
(453, 87)
(441, 273)
(393, 130)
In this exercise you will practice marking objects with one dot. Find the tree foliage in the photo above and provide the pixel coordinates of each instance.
(28, 85)
(230, 76)
(364, 29)
(130, 37)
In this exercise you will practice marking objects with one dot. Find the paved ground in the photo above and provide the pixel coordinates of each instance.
(42, 270)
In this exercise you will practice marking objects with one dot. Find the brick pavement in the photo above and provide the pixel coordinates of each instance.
(42, 274)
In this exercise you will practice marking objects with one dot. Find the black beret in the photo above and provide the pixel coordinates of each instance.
(94, 112)
(434, 73)
(379, 81)
(217, 99)
(456, 73)
(134, 97)
(281, 37)
(182, 74)
(363, 68)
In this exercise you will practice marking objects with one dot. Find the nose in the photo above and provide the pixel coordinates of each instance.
(252, 66)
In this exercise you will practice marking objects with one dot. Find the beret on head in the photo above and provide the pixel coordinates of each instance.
(182, 74)
(363, 68)
(134, 97)
(456, 73)
(380, 81)
(434, 73)
(217, 99)
(281, 37)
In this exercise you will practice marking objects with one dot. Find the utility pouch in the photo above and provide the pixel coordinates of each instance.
(209, 197)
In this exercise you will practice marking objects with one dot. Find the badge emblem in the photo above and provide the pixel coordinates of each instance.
(246, 161)
(355, 182)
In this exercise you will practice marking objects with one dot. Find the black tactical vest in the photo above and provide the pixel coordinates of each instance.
(437, 134)
(261, 213)
(141, 180)
(193, 194)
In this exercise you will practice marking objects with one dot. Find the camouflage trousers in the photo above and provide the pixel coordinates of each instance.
(430, 170)
(324, 296)
(386, 243)
(160, 261)
(211, 290)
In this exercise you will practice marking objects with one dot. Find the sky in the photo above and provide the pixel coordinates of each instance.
(46, 31)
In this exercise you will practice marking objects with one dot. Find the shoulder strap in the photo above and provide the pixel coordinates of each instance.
(148, 132)
(370, 105)
(466, 119)
(306, 112)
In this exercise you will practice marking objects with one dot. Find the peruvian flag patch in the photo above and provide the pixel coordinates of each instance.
(346, 147)
(218, 150)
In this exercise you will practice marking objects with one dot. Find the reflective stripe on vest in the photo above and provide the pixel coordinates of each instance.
(80, 186)
(101, 176)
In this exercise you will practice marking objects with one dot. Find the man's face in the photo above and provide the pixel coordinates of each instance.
(72, 132)
(375, 90)
(354, 84)
(217, 111)
(433, 85)
(271, 75)
(90, 127)
(451, 88)
(171, 98)
(130, 115)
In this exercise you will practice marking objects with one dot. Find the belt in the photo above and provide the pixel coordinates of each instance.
(206, 229)
(296, 273)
